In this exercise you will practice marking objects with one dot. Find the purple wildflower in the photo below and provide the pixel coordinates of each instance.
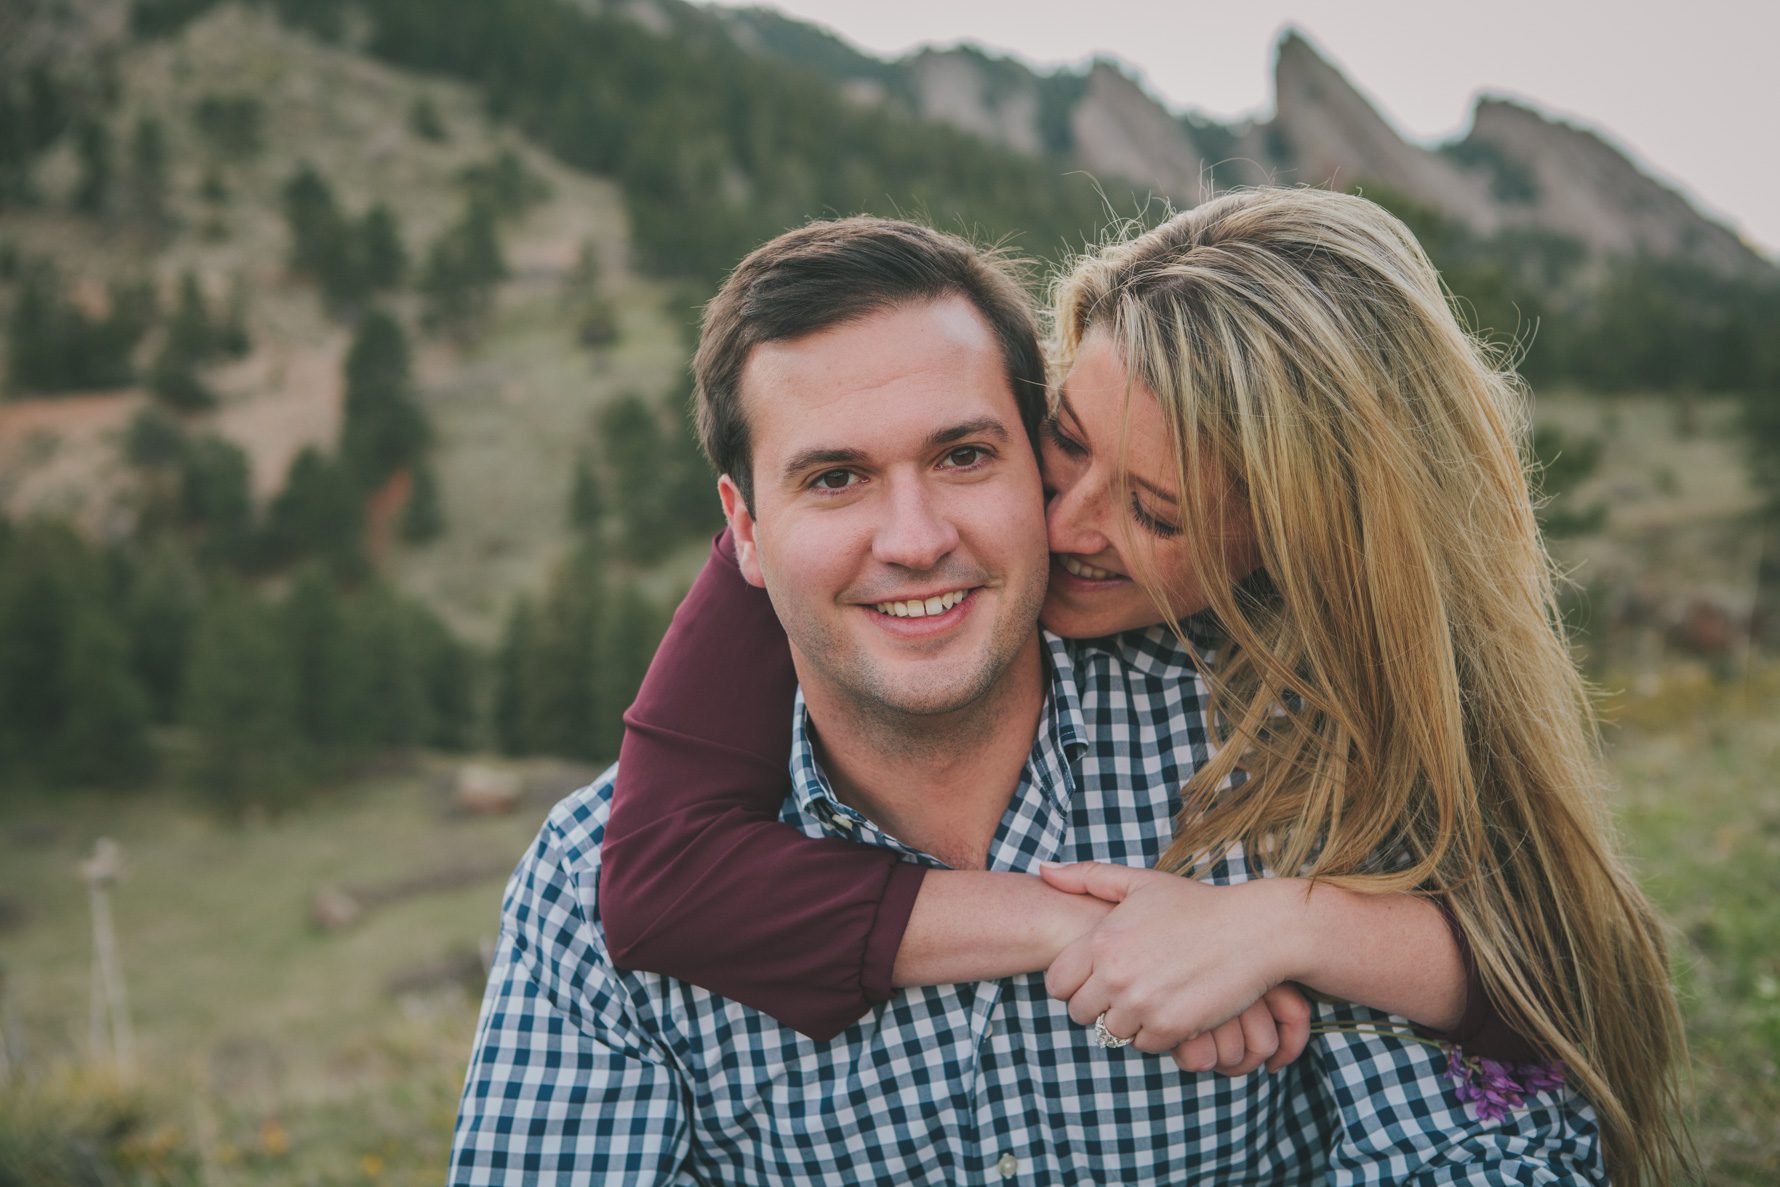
(1495, 1089)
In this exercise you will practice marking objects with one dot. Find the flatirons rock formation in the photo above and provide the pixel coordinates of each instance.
(1516, 168)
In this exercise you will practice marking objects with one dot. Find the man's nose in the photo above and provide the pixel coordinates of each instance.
(916, 532)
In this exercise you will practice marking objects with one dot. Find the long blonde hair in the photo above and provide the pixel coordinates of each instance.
(1440, 739)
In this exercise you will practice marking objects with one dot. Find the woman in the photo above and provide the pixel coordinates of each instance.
(1272, 415)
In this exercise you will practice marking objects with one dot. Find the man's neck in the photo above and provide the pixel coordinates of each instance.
(937, 782)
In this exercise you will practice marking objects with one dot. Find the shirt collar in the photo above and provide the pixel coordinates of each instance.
(1061, 738)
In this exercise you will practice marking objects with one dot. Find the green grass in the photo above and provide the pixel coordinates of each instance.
(1694, 765)
(268, 1051)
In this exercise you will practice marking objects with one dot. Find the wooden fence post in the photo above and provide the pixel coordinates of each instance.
(110, 1018)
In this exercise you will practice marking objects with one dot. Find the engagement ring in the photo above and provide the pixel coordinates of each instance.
(1104, 1037)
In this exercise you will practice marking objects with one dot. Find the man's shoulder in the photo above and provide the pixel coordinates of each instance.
(577, 822)
(561, 868)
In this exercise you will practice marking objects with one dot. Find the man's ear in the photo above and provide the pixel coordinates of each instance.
(741, 526)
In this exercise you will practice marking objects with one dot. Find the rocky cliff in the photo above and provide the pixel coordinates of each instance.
(1515, 168)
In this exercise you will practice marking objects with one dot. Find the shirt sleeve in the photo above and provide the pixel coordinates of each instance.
(563, 1086)
(700, 880)
(1481, 1031)
(1398, 1117)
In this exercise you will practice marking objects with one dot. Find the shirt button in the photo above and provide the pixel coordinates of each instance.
(1008, 1165)
(988, 1029)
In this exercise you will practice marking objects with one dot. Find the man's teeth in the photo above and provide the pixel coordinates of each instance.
(1088, 571)
(922, 607)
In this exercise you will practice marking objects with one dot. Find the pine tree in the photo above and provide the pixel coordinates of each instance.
(163, 609)
(190, 332)
(449, 677)
(103, 737)
(35, 332)
(327, 671)
(637, 460)
(314, 219)
(633, 629)
(463, 266)
(232, 338)
(148, 174)
(319, 514)
(16, 152)
(71, 706)
(174, 380)
(154, 440)
(385, 428)
(240, 698)
(587, 502)
(565, 700)
(423, 519)
(424, 121)
(48, 573)
(514, 724)
(92, 190)
(382, 257)
(393, 706)
(215, 500)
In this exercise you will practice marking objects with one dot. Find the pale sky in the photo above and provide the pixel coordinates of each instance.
(1689, 90)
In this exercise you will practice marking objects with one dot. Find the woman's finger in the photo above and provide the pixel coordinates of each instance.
(1103, 880)
(1121, 1024)
(1090, 1001)
(1069, 971)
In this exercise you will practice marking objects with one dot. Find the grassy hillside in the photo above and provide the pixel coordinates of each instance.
(511, 408)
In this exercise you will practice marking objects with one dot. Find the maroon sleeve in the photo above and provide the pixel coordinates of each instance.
(1481, 1031)
(698, 877)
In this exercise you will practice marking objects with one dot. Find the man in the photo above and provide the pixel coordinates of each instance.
(869, 389)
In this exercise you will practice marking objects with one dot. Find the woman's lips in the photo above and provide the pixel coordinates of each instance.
(1085, 573)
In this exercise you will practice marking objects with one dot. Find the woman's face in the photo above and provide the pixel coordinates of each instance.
(1102, 544)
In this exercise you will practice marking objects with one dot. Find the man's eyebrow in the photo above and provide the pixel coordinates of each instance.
(800, 462)
(982, 426)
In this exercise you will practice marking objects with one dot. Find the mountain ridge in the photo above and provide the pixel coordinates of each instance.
(1504, 173)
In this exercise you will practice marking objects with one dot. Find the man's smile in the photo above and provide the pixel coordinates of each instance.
(921, 607)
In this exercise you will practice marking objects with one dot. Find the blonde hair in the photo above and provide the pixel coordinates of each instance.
(1440, 739)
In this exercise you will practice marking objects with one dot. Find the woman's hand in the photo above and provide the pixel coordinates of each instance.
(1185, 967)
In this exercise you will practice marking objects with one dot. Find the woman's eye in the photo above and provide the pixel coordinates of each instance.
(1160, 527)
(1069, 445)
(834, 480)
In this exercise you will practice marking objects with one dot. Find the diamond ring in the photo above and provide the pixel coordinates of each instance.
(1105, 1038)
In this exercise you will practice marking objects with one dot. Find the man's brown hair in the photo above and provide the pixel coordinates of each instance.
(840, 270)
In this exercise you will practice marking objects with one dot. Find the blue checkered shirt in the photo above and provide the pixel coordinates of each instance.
(588, 1074)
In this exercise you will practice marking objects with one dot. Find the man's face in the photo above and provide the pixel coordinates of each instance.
(898, 519)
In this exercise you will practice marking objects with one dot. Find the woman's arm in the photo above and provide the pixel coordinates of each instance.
(698, 878)
(701, 881)
(1176, 956)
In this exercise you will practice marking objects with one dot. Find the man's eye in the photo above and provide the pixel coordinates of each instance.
(834, 480)
(966, 456)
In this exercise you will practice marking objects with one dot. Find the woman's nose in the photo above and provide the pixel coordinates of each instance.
(1075, 514)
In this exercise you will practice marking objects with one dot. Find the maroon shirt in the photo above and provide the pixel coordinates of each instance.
(700, 880)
